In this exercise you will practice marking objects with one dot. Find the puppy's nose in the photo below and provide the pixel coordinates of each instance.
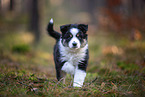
(74, 44)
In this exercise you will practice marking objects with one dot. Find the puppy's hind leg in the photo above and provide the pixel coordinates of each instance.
(61, 76)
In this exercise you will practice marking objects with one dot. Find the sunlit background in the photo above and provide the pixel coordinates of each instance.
(116, 34)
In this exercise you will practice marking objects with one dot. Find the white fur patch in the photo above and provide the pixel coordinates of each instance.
(72, 56)
(74, 31)
(79, 78)
(69, 68)
(74, 39)
(51, 21)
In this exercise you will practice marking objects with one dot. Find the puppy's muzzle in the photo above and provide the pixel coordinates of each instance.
(74, 45)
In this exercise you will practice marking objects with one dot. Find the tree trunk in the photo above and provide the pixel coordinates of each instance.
(11, 7)
(35, 20)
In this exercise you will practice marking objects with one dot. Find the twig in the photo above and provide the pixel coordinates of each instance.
(93, 81)
(42, 79)
(58, 82)
(45, 79)
(78, 83)
(129, 87)
(30, 87)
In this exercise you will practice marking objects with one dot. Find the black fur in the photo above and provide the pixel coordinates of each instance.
(58, 63)
(51, 31)
(83, 64)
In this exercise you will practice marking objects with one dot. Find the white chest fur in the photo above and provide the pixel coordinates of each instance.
(72, 58)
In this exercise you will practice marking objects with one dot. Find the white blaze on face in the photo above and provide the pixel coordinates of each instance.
(74, 39)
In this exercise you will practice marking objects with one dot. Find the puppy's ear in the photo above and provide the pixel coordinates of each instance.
(64, 28)
(83, 27)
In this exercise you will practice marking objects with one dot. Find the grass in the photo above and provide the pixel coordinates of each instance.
(116, 68)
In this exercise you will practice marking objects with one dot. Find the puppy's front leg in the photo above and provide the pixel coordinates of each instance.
(79, 78)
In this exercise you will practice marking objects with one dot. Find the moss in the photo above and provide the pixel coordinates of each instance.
(21, 48)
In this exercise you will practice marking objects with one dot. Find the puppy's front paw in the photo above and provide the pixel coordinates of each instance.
(79, 78)
(75, 84)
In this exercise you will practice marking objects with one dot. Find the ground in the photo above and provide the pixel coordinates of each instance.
(116, 67)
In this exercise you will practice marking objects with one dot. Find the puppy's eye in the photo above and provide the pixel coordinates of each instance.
(70, 35)
(77, 35)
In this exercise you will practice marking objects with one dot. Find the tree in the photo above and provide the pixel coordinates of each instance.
(11, 6)
(35, 19)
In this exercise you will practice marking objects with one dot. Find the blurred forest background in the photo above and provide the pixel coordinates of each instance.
(116, 43)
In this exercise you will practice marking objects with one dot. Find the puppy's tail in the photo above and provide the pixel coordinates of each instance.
(51, 31)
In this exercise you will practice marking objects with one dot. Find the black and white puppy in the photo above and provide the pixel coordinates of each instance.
(70, 51)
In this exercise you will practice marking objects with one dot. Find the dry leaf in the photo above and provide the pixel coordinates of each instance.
(102, 85)
(114, 86)
(34, 89)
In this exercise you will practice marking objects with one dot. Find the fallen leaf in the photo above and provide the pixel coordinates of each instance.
(102, 85)
(34, 89)
(114, 86)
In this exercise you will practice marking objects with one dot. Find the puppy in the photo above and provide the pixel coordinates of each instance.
(70, 51)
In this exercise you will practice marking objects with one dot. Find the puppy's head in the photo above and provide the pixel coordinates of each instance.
(74, 35)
